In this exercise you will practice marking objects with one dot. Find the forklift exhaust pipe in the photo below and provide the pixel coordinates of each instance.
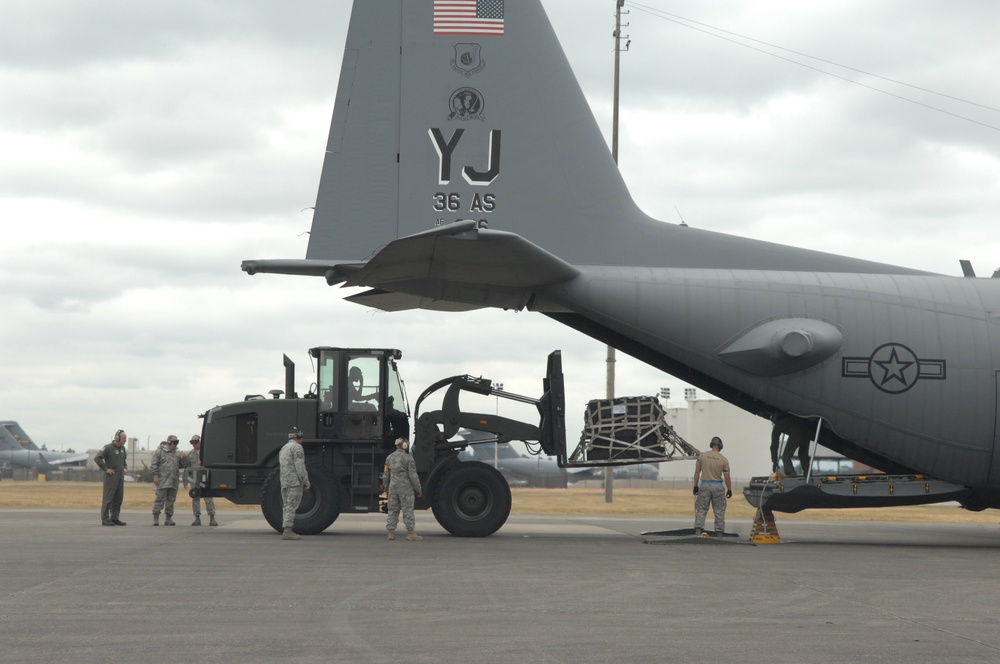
(289, 378)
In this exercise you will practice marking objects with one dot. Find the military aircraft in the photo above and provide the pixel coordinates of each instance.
(464, 169)
(537, 470)
(17, 449)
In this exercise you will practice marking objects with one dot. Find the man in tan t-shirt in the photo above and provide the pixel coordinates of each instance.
(712, 485)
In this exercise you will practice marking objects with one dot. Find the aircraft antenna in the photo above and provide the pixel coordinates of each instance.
(681, 217)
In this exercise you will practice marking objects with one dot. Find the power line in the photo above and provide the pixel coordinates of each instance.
(691, 24)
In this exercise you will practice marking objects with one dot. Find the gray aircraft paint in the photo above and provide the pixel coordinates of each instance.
(17, 449)
(518, 204)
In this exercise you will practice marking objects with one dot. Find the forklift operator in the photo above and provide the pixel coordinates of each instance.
(356, 398)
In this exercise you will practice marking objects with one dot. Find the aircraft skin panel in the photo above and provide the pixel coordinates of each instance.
(995, 462)
(357, 203)
(392, 301)
(908, 408)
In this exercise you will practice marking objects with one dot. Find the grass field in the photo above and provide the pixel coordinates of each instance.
(639, 502)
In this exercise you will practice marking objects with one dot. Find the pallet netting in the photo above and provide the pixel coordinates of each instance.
(628, 430)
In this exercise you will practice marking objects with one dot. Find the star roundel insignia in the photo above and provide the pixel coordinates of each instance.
(898, 365)
(893, 368)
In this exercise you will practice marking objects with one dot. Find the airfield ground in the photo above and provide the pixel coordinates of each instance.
(570, 501)
(546, 588)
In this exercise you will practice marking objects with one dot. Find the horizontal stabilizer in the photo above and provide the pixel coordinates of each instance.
(466, 263)
(335, 272)
(388, 301)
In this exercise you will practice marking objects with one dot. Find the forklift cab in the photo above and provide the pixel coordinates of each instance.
(361, 396)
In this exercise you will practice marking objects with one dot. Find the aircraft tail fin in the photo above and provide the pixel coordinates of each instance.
(12, 436)
(439, 121)
(450, 121)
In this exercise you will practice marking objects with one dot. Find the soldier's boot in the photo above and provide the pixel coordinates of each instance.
(392, 535)
(156, 519)
(169, 521)
(212, 521)
(412, 536)
(197, 520)
(720, 533)
(288, 534)
(697, 532)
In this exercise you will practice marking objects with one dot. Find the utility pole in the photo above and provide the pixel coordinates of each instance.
(609, 474)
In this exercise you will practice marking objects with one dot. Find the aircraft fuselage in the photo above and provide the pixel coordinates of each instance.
(900, 366)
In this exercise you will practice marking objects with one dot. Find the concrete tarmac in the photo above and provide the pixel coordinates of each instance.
(544, 589)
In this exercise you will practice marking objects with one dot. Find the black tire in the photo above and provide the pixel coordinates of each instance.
(319, 508)
(471, 500)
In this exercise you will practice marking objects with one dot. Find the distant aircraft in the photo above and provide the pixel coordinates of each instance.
(17, 449)
(520, 470)
(464, 169)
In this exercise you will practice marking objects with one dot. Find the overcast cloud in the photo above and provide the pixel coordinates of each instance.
(148, 148)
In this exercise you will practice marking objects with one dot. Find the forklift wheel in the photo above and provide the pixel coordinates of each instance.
(471, 499)
(319, 508)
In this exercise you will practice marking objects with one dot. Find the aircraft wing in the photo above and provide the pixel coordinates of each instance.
(60, 458)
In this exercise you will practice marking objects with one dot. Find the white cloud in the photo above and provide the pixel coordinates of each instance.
(148, 150)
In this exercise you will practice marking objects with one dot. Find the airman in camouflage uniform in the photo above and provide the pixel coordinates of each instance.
(294, 477)
(166, 464)
(194, 460)
(112, 459)
(403, 485)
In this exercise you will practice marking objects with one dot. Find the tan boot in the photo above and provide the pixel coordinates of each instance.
(412, 536)
(392, 535)
(290, 535)
(156, 519)
(212, 521)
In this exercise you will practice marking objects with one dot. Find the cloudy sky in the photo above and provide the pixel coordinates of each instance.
(147, 148)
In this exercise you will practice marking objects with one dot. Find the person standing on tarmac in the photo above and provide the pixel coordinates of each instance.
(194, 460)
(112, 459)
(166, 464)
(403, 484)
(294, 477)
(712, 485)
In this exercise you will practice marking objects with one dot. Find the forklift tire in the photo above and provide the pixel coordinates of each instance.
(319, 508)
(471, 499)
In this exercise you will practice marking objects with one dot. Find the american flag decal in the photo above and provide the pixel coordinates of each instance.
(468, 17)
